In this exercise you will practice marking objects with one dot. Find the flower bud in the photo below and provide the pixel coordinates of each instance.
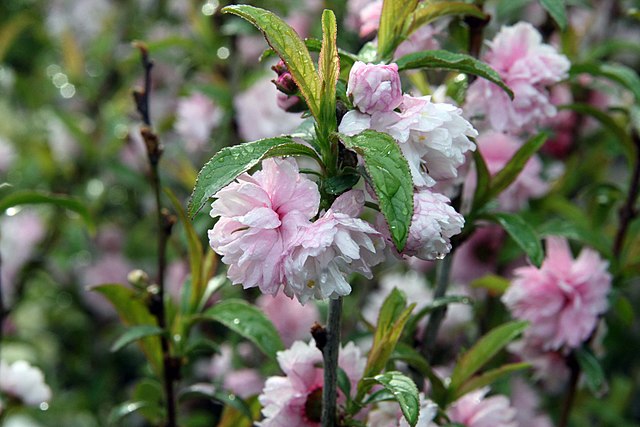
(374, 88)
(286, 84)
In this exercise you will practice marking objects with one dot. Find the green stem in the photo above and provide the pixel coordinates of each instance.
(330, 358)
(437, 316)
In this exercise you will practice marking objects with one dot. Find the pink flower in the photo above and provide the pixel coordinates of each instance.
(563, 298)
(333, 247)
(264, 119)
(526, 403)
(295, 399)
(476, 410)
(433, 137)
(24, 382)
(527, 66)
(374, 87)
(244, 382)
(549, 367)
(497, 149)
(369, 18)
(196, 116)
(421, 39)
(433, 224)
(292, 319)
(260, 214)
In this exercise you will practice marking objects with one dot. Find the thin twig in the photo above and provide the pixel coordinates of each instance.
(2, 312)
(330, 358)
(165, 224)
(430, 334)
(571, 392)
(628, 211)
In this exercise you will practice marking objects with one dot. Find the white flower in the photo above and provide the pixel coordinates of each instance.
(24, 382)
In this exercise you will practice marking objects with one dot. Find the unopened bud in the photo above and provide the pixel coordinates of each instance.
(138, 278)
(286, 84)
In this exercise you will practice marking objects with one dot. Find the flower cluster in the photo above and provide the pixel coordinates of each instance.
(266, 236)
(527, 66)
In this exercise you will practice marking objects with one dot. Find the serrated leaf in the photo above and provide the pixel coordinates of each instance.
(483, 351)
(596, 380)
(340, 183)
(617, 73)
(287, 44)
(133, 312)
(195, 251)
(228, 164)
(413, 358)
(38, 198)
(609, 123)
(328, 70)
(488, 378)
(391, 178)
(135, 333)
(575, 231)
(393, 17)
(405, 393)
(508, 174)
(247, 321)
(443, 59)
(426, 13)
(557, 10)
(521, 233)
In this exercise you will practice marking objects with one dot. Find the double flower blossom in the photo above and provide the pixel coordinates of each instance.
(266, 233)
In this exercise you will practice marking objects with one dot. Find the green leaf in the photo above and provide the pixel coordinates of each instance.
(522, 233)
(194, 246)
(285, 41)
(149, 391)
(483, 351)
(344, 383)
(488, 378)
(293, 149)
(413, 358)
(328, 70)
(505, 177)
(37, 198)
(227, 164)
(124, 409)
(247, 321)
(340, 183)
(596, 380)
(134, 312)
(426, 13)
(496, 285)
(393, 17)
(621, 136)
(483, 181)
(404, 391)
(392, 318)
(556, 9)
(443, 59)
(578, 232)
(391, 178)
(617, 73)
(135, 333)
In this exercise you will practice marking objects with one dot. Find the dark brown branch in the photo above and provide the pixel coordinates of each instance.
(628, 211)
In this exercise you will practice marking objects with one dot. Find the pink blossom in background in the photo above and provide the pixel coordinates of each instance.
(21, 234)
(374, 88)
(196, 117)
(330, 249)
(369, 18)
(244, 383)
(107, 267)
(24, 382)
(526, 402)
(475, 409)
(563, 123)
(421, 39)
(292, 319)
(497, 149)
(549, 367)
(563, 298)
(260, 215)
(478, 255)
(433, 224)
(434, 137)
(527, 66)
(389, 414)
(354, 7)
(257, 120)
(286, 399)
(7, 154)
